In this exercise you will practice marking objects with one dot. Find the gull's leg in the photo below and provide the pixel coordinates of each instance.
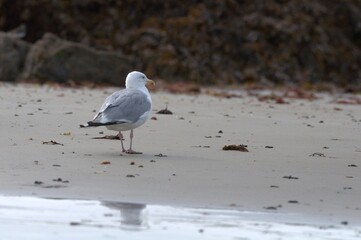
(131, 151)
(120, 135)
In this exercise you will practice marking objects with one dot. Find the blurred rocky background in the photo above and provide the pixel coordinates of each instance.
(220, 42)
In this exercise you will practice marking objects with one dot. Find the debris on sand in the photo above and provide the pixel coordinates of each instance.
(349, 100)
(290, 177)
(60, 180)
(352, 165)
(160, 155)
(281, 100)
(54, 186)
(273, 207)
(317, 154)
(52, 142)
(241, 148)
(109, 137)
(105, 162)
(165, 111)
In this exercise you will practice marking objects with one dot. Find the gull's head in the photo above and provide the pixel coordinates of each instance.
(137, 79)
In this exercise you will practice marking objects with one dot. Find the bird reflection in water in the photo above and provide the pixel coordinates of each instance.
(132, 215)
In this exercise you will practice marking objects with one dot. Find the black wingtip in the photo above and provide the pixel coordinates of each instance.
(96, 124)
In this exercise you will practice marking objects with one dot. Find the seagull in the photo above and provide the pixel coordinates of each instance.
(126, 109)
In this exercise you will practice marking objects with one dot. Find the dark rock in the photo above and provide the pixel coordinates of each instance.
(12, 56)
(54, 59)
(276, 41)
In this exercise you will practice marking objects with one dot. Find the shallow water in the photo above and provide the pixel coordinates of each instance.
(37, 218)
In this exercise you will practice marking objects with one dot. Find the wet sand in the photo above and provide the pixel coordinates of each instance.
(304, 157)
(41, 218)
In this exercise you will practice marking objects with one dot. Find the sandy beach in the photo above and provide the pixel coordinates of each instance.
(303, 157)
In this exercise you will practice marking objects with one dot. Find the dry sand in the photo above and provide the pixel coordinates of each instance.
(311, 167)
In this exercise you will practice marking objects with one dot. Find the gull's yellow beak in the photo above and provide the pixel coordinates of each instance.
(150, 82)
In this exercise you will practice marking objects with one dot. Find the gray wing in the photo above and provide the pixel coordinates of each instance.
(111, 99)
(123, 106)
